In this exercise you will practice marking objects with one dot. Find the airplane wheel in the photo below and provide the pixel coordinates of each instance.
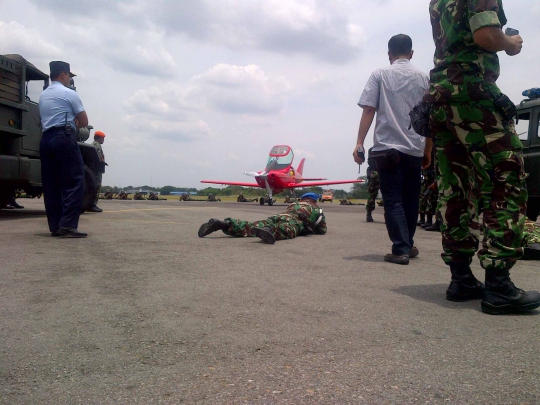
(270, 202)
(261, 201)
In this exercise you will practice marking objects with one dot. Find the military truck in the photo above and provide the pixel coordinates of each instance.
(527, 127)
(20, 134)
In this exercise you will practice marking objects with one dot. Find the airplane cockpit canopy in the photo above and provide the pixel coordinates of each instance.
(279, 158)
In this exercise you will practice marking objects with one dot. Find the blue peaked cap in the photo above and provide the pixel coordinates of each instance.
(313, 196)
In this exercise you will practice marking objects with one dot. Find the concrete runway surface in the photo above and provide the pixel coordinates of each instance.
(146, 312)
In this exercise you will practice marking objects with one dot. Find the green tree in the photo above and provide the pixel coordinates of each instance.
(360, 190)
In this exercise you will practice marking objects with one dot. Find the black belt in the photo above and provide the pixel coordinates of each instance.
(55, 129)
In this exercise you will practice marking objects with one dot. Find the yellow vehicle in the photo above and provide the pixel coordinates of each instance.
(327, 195)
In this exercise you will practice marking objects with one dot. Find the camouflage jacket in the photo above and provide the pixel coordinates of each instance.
(463, 71)
(99, 149)
(310, 214)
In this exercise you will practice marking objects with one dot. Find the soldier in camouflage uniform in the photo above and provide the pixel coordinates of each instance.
(303, 217)
(99, 138)
(474, 138)
(373, 191)
(428, 195)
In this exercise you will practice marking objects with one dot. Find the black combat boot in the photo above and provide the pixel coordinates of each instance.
(501, 296)
(422, 220)
(265, 234)
(464, 286)
(435, 227)
(429, 221)
(369, 218)
(212, 226)
(95, 208)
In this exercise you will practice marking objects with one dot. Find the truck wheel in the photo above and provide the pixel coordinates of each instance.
(90, 190)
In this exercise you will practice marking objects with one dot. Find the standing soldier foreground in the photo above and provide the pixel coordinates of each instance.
(99, 138)
(301, 218)
(472, 123)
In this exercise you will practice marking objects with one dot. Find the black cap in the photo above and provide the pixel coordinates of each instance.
(57, 66)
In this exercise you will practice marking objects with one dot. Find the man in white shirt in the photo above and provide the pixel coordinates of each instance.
(398, 152)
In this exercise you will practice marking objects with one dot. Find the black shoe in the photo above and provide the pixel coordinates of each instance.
(435, 227)
(55, 234)
(369, 218)
(532, 252)
(402, 259)
(422, 220)
(265, 234)
(413, 252)
(211, 226)
(426, 224)
(15, 205)
(465, 289)
(501, 296)
(95, 208)
(71, 233)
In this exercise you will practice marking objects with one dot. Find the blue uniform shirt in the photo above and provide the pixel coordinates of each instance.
(55, 101)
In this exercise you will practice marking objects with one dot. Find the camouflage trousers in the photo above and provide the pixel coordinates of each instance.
(428, 197)
(373, 190)
(282, 226)
(99, 178)
(475, 147)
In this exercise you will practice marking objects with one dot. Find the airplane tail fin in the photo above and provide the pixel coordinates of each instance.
(301, 166)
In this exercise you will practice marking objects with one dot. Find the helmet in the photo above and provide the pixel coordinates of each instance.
(313, 196)
(99, 133)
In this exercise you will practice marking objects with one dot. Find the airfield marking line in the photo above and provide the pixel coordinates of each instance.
(156, 209)
(135, 220)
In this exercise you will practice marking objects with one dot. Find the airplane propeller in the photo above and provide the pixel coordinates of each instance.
(264, 175)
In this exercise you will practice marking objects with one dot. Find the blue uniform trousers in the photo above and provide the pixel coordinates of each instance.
(62, 176)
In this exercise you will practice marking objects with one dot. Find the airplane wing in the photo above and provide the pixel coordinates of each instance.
(304, 179)
(322, 183)
(231, 183)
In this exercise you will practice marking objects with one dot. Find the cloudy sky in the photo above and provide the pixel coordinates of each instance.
(201, 89)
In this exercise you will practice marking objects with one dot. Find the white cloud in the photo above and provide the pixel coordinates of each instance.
(16, 38)
(239, 90)
(173, 110)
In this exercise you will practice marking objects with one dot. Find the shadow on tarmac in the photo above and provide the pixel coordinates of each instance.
(9, 214)
(366, 258)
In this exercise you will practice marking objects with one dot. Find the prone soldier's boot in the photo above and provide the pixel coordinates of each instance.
(501, 296)
(422, 220)
(212, 226)
(265, 234)
(369, 218)
(464, 286)
(429, 221)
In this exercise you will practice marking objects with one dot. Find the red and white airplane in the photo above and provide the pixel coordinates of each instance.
(280, 175)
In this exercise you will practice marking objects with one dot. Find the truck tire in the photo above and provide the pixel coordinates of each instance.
(90, 190)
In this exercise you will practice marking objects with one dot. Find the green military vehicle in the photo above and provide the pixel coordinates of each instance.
(527, 127)
(20, 134)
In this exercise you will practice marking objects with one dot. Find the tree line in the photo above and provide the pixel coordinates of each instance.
(359, 190)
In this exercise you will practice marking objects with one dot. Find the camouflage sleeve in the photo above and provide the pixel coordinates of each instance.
(485, 13)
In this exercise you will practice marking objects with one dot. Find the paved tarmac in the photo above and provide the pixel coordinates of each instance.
(145, 312)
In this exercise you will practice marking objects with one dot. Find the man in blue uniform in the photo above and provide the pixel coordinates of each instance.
(62, 166)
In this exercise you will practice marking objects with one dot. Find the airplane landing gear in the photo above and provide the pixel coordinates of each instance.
(267, 200)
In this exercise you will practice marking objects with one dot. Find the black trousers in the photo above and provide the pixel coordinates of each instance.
(62, 176)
